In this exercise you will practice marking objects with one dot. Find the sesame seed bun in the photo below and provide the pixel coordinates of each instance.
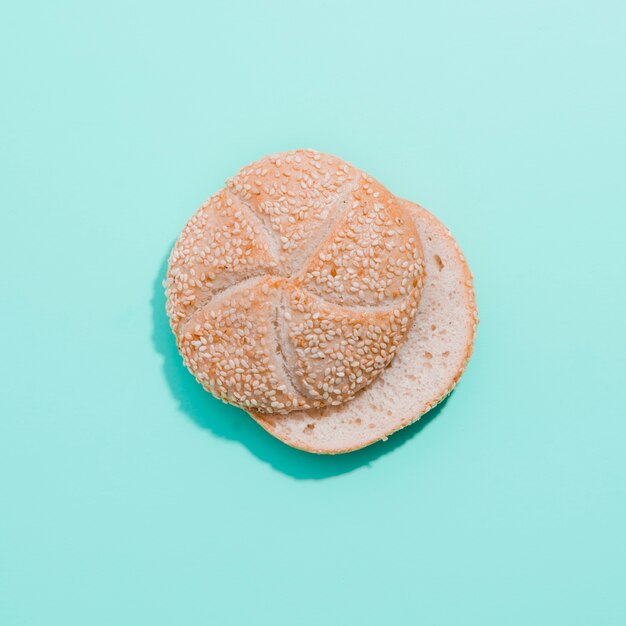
(294, 286)
(424, 371)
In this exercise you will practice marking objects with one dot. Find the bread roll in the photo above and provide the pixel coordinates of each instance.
(293, 287)
(426, 368)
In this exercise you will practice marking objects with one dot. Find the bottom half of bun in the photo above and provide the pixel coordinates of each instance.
(425, 370)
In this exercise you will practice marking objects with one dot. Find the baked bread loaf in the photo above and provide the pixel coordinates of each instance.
(425, 369)
(294, 286)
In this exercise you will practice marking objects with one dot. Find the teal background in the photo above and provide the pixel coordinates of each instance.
(129, 497)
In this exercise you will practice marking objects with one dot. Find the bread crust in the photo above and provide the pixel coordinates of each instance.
(299, 428)
(294, 286)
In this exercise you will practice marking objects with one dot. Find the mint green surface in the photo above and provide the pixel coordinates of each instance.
(128, 496)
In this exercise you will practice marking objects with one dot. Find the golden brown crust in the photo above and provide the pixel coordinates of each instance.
(341, 257)
(221, 245)
(297, 195)
(230, 346)
(352, 345)
(374, 258)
